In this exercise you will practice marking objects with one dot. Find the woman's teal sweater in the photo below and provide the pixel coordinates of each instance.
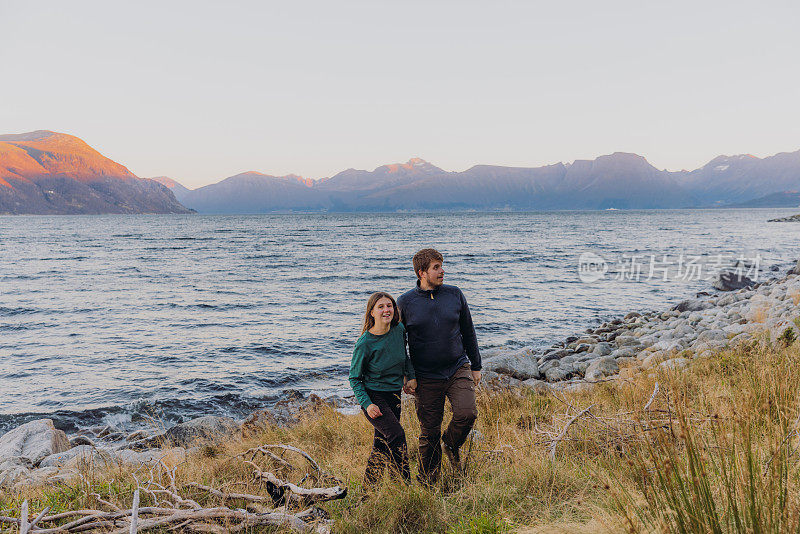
(379, 363)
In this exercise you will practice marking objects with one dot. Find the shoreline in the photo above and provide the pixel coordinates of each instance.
(693, 328)
(613, 351)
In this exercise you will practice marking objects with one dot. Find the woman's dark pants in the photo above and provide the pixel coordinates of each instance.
(389, 445)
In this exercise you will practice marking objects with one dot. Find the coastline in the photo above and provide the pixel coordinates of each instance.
(613, 351)
(694, 328)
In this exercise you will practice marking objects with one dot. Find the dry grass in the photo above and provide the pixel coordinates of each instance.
(714, 438)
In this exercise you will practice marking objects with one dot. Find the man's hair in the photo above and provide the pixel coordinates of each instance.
(422, 259)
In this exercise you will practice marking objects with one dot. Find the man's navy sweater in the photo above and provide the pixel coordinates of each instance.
(439, 330)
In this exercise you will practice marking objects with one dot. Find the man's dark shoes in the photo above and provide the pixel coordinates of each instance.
(452, 456)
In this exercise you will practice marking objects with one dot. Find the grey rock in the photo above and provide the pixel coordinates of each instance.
(32, 442)
(81, 456)
(626, 352)
(11, 471)
(60, 458)
(580, 367)
(582, 347)
(708, 335)
(603, 348)
(632, 315)
(624, 341)
(80, 440)
(520, 365)
(206, 429)
(654, 358)
(601, 367)
(732, 281)
(692, 305)
(537, 386)
(556, 374)
(148, 457)
(555, 356)
(549, 365)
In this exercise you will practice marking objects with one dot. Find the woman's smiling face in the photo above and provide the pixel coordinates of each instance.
(383, 311)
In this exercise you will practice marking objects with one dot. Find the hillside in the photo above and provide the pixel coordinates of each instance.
(46, 172)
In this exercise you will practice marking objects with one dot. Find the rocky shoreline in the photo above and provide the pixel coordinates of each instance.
(641, 341)
(792, 218)
(37, 453)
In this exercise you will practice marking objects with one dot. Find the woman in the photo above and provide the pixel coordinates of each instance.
(378, 372)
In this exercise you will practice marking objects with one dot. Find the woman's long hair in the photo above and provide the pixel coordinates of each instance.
(369, 320)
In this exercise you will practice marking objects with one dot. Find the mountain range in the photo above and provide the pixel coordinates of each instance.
(46, 172)
(51, 173)
(620, 180)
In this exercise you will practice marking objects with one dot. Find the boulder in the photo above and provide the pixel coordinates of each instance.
(170, 457)
(32, 442)
(521, 365)
(692, 305)
(654, 359)
(627, 341)
(37, 478)
(549, 365)
(206, 429)
(11, 471)
(580, 367)
(81, 457)
(627, 352)
(732, 281)
(603, 349)
(556, 374)
(537, 386)
(601, 368)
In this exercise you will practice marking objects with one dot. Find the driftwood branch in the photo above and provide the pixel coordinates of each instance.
(228, 496)
(177, 512)
(563, 433)
(23, 518)
(135, 512)
(652, 398)
(286, 492)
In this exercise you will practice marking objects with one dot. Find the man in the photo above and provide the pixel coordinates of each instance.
(444, 351)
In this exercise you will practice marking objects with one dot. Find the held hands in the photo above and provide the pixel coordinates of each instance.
(373, 411)
(476, 377)
(410, 386)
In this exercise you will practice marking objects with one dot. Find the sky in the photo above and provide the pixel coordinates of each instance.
(199, 91)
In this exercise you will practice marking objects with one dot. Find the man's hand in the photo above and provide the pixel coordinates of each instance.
(476, 377)
(373, 411)
(410, 386)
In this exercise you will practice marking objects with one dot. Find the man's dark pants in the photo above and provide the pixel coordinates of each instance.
(460, 391)
(389, 443)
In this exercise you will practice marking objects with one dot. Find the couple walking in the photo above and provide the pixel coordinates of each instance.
(443, 361)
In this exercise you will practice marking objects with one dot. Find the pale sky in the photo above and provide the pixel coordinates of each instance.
(200, 91)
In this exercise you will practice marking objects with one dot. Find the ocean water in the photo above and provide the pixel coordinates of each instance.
(130, 319)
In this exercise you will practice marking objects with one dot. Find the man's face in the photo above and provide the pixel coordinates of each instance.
(434, 275)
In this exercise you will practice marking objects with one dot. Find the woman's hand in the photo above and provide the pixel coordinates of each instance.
(410, 386)
(373, 411)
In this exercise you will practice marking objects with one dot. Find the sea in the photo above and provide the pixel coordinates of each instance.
(131, 321)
